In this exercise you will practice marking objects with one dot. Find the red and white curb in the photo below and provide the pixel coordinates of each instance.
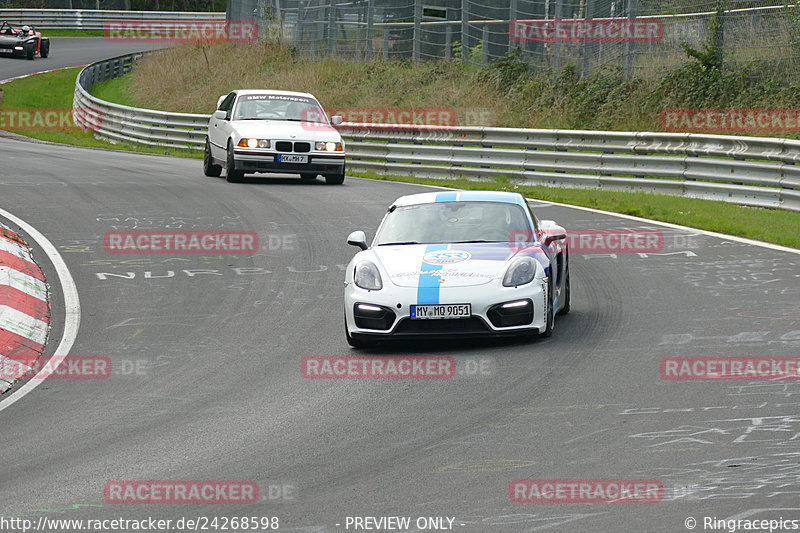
(24, 309)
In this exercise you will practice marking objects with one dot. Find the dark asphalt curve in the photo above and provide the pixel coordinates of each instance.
(207, 382)
(69, 52)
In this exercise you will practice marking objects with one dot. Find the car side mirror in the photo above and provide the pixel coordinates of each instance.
(337, 120)
(554, 237)
(220, 114)
(357, 238)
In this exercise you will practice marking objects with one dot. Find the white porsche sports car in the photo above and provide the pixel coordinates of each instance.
(455, 264)
(273, 131)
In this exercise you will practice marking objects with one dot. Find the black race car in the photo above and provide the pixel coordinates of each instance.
(22, 42)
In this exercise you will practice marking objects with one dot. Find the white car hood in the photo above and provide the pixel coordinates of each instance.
(460, 265)
(286, 130)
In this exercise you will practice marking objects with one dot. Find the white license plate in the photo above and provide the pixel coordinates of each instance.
(421, 312)
(5, 50)
(291, 158)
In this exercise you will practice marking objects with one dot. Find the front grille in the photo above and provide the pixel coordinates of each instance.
(288, 146)
(443, 326)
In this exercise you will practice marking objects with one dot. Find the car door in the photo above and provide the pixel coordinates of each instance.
(219, 129)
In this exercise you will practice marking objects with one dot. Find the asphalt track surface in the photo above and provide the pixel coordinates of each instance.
(68, 52)
(218, 394)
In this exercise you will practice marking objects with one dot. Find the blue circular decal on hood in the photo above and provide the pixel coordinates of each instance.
(446, 257)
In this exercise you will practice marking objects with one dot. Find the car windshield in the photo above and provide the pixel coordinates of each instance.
(450, 222)
(278, 107)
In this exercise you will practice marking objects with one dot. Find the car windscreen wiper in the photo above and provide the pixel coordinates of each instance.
(476, 240)
(398, 243)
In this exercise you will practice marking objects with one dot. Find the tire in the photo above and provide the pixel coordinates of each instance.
(209, 168)
(549, 314)
(308, 177)
(334, 179)
(30, 49)
(565, 310)
(44, 48)
(231, 174)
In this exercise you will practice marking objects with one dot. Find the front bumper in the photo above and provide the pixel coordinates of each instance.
(249, 161)
(488, 318)
(8, 51)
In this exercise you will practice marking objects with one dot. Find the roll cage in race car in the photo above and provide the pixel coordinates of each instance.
(24, 41)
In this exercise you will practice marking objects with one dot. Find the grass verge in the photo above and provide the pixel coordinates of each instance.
(53, 91)
(71, 33)
(769, 225)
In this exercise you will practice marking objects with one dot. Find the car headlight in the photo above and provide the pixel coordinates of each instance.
(520, 272)
(367, 276)
(323, 146)
(253, 143)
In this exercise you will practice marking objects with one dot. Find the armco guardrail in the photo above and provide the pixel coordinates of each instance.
(755, 171)
(94, 19)
(122, 123)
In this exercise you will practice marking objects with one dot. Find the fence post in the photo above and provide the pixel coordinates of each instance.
(556, 44)
(719, 31)
(464, 29)
(512, 15)
(485, 45)
(630, 46)
(415, 45)
(370, 27)
(332, 28)
(448, 41)
(358, 36)
(298, 29)
(385, 42)
(589, 5)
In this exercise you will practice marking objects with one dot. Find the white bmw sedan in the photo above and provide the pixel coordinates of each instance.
(273, 131)
(457, 264)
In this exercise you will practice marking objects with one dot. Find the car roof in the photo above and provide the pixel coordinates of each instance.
(461, 196)
(271, 91)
